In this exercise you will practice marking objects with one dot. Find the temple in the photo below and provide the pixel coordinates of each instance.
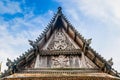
(60, 53)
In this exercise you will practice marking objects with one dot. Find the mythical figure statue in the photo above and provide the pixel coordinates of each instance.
(9, 64)
(89, 41)
(34, 45)
(110, 62)
(86, 44)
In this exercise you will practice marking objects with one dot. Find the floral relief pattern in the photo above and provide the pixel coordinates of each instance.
(60, 42)
(60, 62)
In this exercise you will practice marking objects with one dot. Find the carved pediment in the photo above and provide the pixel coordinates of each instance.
(60, 61)
(60, 41)
(63, 61)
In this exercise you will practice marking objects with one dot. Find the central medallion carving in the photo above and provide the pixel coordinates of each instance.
(60, 62)
(60, 42)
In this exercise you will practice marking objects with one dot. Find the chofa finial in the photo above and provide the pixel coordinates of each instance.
(59, 9)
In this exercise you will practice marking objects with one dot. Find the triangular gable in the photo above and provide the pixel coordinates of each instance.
(60, 41)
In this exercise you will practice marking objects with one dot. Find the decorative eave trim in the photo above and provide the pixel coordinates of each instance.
(60, 52)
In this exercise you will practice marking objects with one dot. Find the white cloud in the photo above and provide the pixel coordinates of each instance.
(9, 44)
(105, 11)
(10, 7)
(16, 32)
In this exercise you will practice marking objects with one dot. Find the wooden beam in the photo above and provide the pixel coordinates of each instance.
(75, 35)
(67, 28)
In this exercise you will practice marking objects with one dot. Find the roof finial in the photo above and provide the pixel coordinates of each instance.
(59, 9)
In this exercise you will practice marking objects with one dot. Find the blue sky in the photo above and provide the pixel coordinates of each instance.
(21, 20)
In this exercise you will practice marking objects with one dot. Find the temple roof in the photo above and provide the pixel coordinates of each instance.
(59, 21)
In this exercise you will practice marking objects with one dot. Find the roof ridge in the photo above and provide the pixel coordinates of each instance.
(46, 29)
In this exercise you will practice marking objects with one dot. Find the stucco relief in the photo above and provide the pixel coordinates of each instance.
(60, 62)
(60, 42)
(63, 61)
